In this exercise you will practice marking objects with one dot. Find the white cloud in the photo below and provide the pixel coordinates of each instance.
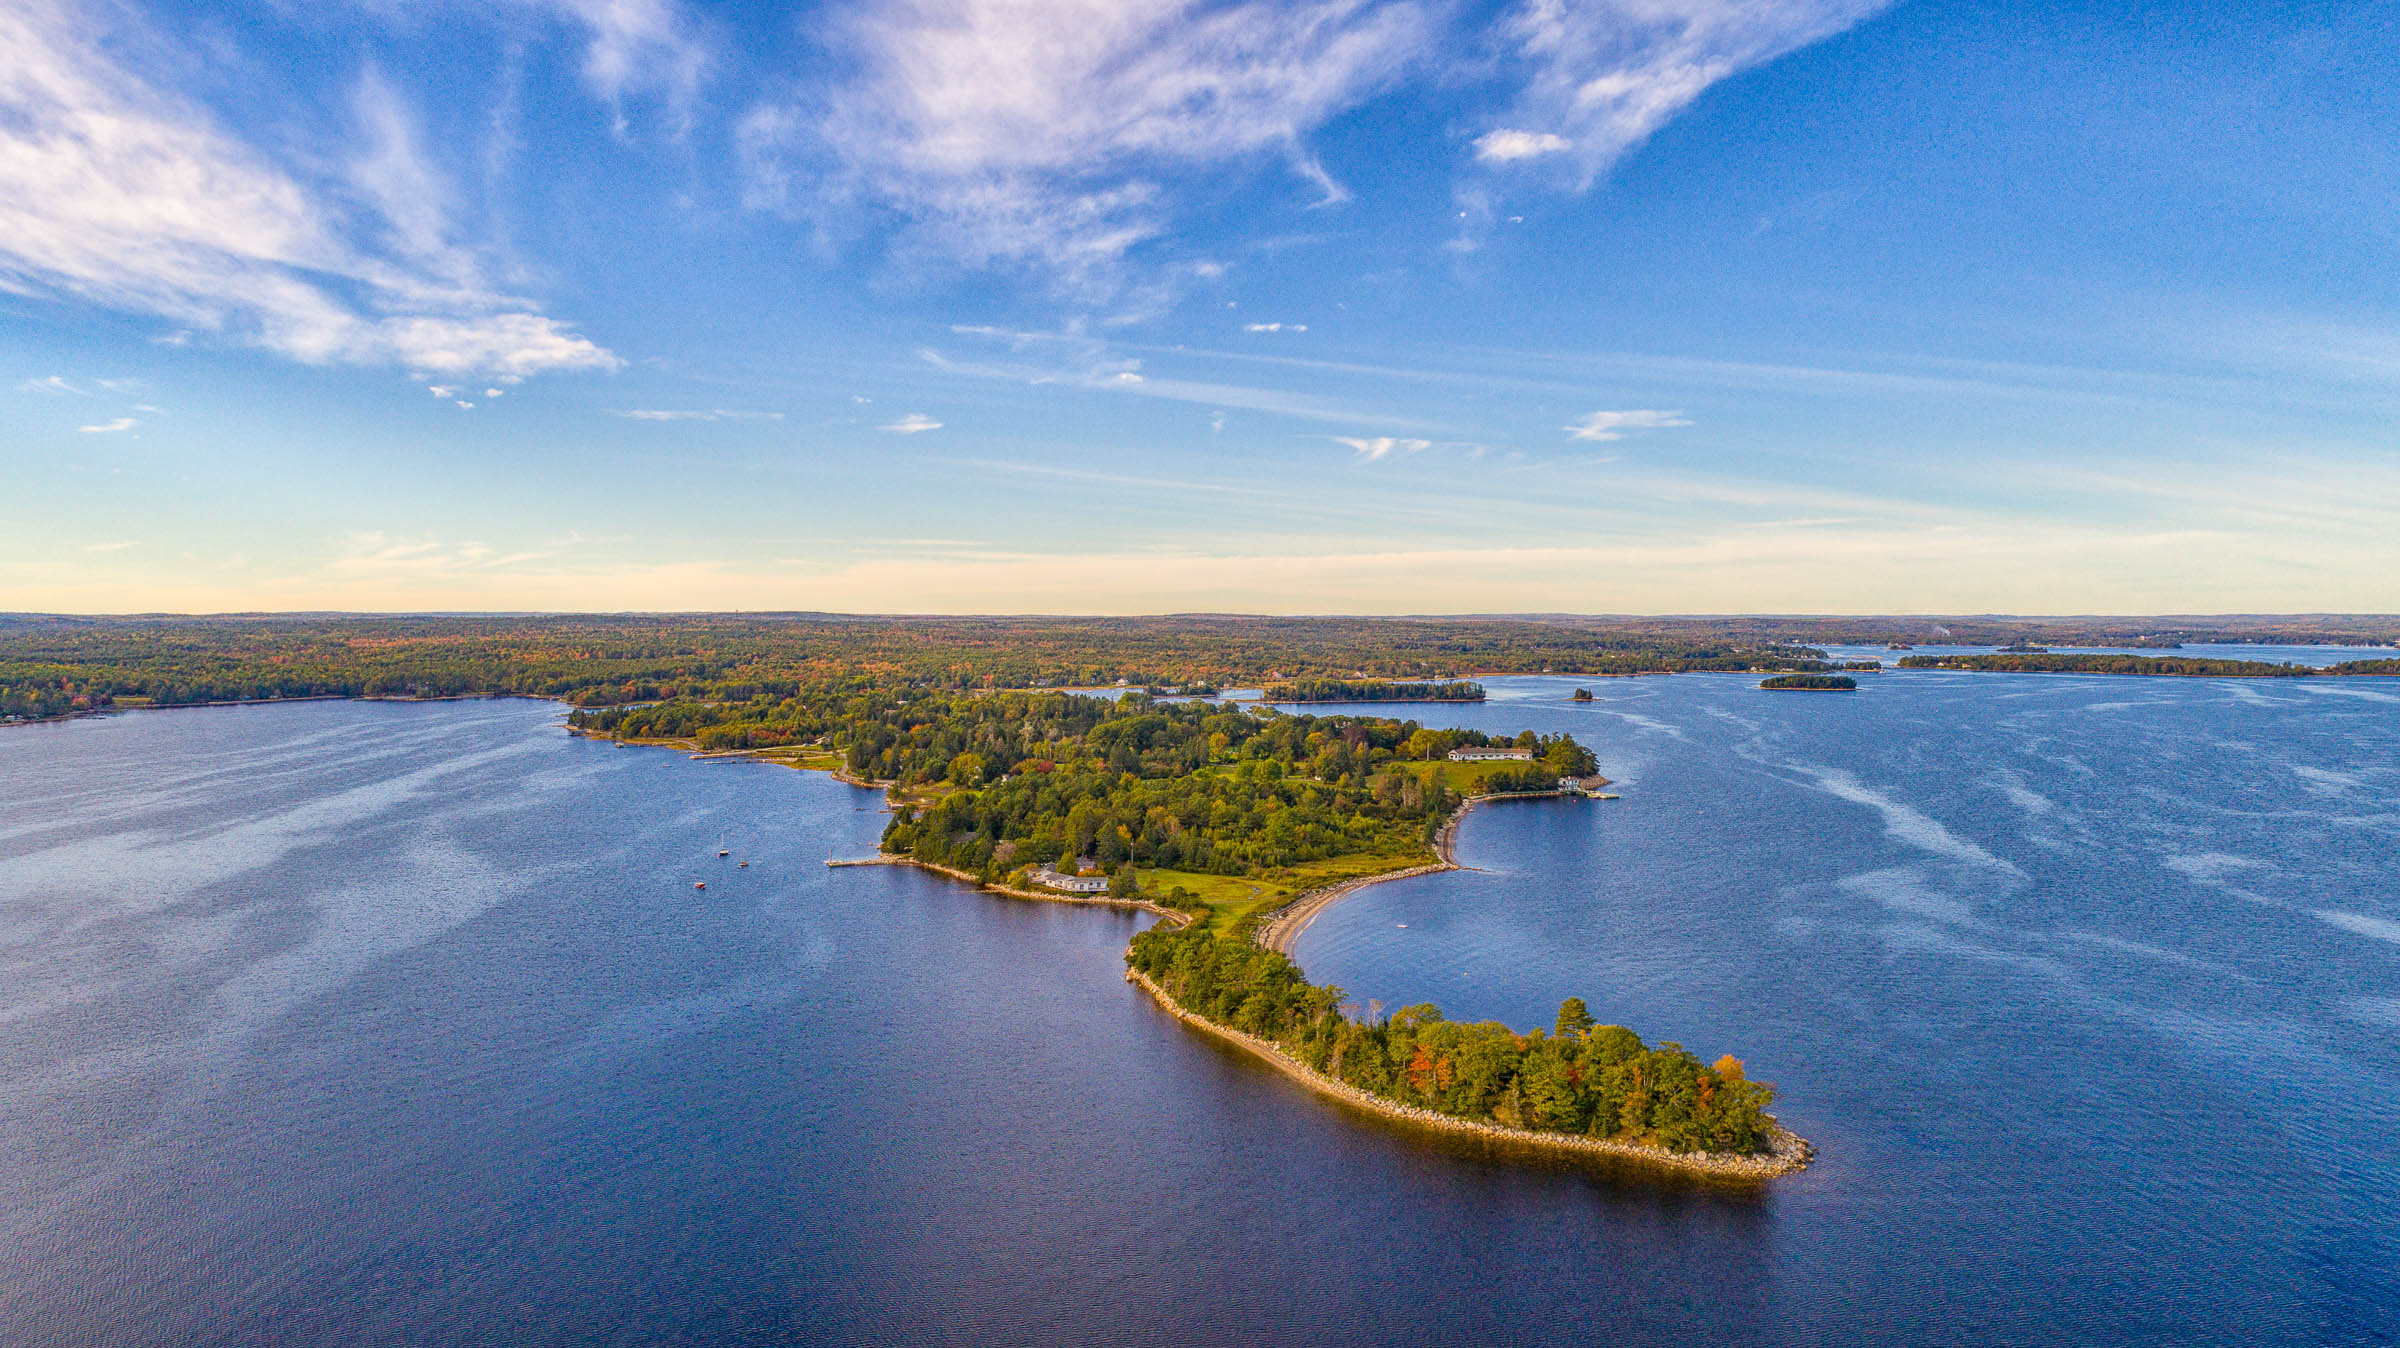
(1602, 75)
(639, 45)
(1274, 327)
(54, 385)
(692, 414)
(110, 427)
(913, 423)
(1378, 447)
(1036, 131)
(441, 390)
(1613, 425)
(118, 193)
(1506, 147)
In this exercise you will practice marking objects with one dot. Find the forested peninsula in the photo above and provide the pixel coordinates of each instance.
(1217, 816)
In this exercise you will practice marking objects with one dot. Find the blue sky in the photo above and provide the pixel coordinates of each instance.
(1073, 306)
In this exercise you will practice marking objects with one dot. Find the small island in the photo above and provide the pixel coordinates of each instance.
(1581, 695)
(1810, 683)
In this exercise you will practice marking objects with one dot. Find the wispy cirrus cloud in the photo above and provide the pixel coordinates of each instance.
(1613, 425)
(1084, 362)
(639, 46)
(1059, 134)
(1600, 76)
(118, 192)
(915, 423)
(1040, 131)
(693, 414)
(109, 427)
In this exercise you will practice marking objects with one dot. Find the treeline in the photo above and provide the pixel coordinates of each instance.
(2162, 632)
(1371, 690)
(616, 660)
(1580, 1078)
(2172, 666)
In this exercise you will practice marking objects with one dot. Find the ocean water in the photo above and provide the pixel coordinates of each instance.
(403, 1023)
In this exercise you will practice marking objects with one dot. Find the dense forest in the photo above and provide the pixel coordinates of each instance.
(1580, 1078)
(1371, 690)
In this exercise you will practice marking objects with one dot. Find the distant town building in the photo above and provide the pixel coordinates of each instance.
(1050, 877)
(1491, 753)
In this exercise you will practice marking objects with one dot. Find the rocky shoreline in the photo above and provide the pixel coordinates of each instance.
(1788, 1153)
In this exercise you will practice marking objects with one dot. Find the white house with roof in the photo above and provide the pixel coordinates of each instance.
(1491, 753)
(1050, 877)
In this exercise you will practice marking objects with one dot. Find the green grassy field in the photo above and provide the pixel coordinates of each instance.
(1234, 900)
(1466, 779)
(1230, 898)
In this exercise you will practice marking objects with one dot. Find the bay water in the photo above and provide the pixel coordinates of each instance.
(404, 1023)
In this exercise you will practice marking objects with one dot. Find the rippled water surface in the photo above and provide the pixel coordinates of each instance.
(377, 1023)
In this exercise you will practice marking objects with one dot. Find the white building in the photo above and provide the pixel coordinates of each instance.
(1051, 878)
(1491, 753)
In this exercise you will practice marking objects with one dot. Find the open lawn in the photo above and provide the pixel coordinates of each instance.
(1467, 779)
(1234, 900)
